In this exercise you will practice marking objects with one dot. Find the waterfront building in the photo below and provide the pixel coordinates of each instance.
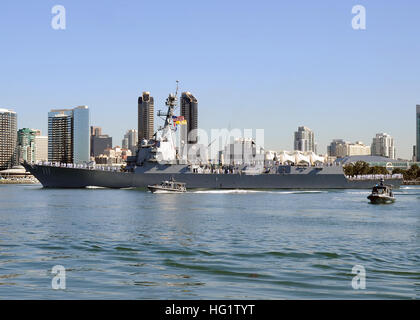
(145, 117)
(60, 136)
(418, 132)
(116, 155)
(26, 144)
(130, 140)
(81, 149)
(189, 110)
(41, 148)
(99, 142)
(332, 148)
(8, 138)
(68, 135)
(383, 145)
(304, 140)
(348, 149)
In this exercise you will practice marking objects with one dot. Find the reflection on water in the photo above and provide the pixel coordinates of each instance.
(245, 244)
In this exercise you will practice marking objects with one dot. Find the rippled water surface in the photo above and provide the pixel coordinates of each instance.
(131, 244)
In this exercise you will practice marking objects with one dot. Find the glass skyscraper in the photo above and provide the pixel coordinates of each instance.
(81, 135)
(26, 144)
(69, 135)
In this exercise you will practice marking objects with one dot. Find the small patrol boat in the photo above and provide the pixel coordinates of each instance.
(381, 194)
(168, 186)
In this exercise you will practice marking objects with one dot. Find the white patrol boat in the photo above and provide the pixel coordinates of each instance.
(168, 186)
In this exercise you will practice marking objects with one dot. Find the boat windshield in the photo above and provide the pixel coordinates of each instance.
(381, 189)
(173, 184)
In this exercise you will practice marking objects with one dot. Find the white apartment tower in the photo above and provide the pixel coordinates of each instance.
(304, 140)
(383, 145)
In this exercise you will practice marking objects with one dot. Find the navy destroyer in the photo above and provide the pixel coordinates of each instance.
(157, 160)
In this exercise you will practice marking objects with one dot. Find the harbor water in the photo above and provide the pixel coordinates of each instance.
(132, 244)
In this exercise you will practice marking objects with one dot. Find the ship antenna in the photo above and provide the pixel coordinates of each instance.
(176, 92)
(171, 103)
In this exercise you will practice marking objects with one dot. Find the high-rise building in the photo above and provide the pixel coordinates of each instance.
(189, 110)
(60, 136)
(68, 135)
(130, 141)
(95, 131)
(124, 142)
(99, 142)
(8, 138)
(26, 144)
(332, 148)
(145, 117)
(41, 148)
(81, 141)
(304, 140)
(31, 146)
(383, 145)
(418, 132)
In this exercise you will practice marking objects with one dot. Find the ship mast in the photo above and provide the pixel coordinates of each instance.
(171, 102)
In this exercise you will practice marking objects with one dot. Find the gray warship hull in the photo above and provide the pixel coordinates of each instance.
(290, 177)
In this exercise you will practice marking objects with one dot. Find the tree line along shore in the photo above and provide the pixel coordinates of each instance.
(411, 175)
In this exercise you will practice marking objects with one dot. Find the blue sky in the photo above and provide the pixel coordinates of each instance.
(252, 64)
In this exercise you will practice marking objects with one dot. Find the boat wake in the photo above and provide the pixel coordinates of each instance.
(244, 191)
(410, 188)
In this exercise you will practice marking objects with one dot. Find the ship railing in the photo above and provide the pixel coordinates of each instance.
(80, 166)
(220, 170)
(375, 177)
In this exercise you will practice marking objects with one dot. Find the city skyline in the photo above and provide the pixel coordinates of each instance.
(310, 67)
(96, 130)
